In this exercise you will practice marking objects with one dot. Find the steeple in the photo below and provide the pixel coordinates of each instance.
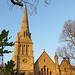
(25, 27)
(23, 49)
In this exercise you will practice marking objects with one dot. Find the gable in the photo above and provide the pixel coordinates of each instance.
(45, 56)
(44, 60)
(65, 65)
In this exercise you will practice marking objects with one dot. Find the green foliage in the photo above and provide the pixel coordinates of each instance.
(4, 41)
(8, 69)
(10, 65)
(3, 71)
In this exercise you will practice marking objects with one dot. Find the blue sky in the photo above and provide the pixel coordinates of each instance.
(45, 26)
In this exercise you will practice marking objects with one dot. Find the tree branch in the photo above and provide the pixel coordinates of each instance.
(17, 3)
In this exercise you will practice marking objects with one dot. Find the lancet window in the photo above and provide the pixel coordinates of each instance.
(27, 49)
(24, 34)
(42, 71)
(50, 73)
(19, 49)
(22, 52)
(47, 71)
(23, 49)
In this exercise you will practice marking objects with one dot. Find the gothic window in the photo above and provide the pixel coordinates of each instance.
(50, 73)
(26, 50)
(24, 34)
(42, 71)
(19, 49)
(47, 71)
(22, 50)
(24, 45)
(28, 45)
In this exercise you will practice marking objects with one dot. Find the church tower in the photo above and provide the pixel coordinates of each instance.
(23, 49)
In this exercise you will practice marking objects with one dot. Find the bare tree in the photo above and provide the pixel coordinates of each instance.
(17, 2)
(22, 2)
(31, 4)
(68, 32)
(68, 37)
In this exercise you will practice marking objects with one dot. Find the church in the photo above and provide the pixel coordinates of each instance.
(24, 58)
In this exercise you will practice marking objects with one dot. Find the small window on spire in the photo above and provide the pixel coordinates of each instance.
(50, 72)
(24, 34)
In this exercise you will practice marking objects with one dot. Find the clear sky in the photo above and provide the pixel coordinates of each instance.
(45, 26)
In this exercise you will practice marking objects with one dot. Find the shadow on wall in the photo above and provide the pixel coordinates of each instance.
(36, 68)
(42, 71)
(19, 73)
(31, 73)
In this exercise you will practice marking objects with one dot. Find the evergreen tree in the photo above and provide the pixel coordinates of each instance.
(8, 69)
(4, 41)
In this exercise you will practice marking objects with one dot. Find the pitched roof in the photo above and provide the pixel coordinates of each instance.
(63, 61)
(42, 55)
(25, 26)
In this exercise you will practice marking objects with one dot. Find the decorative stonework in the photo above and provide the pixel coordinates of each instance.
(23, 49)
(24, 59)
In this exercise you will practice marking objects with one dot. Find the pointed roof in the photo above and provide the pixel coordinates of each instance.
(64, 60)
(25, 26)
(44, 52)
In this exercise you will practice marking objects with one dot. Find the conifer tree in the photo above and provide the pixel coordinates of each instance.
(4, 41)
(8, 69)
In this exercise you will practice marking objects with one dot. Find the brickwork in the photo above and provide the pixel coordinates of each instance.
(24, 59)
(46, 64)
(23, 49)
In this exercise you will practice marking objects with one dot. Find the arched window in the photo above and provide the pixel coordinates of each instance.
(44, 71)
(24, 34)
(50, 72)
(19, 49)
(27, 49)
(22, 50)
(47, 71)
(24, 45)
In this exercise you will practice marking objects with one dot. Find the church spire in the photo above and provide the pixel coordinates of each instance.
(25, 27)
